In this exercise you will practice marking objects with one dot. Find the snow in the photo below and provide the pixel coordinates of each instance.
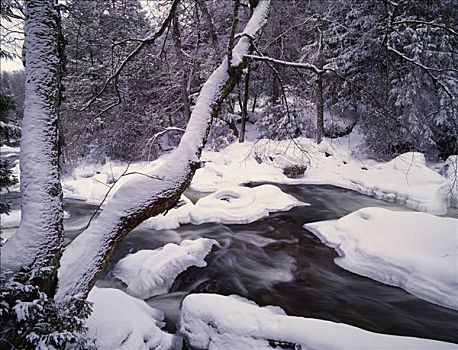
(451, 187)
(211, 321)
(406, 179)
(9, 223)
(119, 321)
(9, 149)
(232, 205)
(241, 205)
(173, 218)
(414, 251)
(39, 235)
(152, 272)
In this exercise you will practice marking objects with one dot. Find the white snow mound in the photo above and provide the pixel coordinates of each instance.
(230, 205)
(242, 205)
(211, 321)
(173, 218)
(152, 272)
(119, 321)
(414, 251)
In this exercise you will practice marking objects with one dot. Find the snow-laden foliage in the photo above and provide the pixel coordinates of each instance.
(29, 319)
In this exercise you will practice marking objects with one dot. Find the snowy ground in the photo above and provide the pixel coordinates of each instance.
(211, 321)
(406, 179)
(414, 251)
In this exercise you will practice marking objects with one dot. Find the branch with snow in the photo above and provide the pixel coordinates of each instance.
(143, 197)
(299, 65)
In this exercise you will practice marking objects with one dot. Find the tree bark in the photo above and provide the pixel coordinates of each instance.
(37, 244)
(211, 28)
(246, 93)
(181, 66)
(146, 196)
(319, 91)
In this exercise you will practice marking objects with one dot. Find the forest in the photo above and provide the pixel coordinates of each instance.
(229, 174)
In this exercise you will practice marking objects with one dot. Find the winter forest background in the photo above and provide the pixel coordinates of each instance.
(390, 69)
(138, 82)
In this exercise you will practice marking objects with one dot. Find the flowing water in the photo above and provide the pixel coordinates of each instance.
(276, 261)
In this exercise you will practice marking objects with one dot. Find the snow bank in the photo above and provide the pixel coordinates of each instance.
(450, 188)
(405, 180)
(91, 182)
(211, 321)
(231, 205)
(242, 205)
(119, 321)
(414, 251)
(151, 272)
(11, 222)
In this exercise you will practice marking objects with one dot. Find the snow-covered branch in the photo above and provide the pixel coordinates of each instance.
(299, 65)
(143, 43)
(429, 24)
(143, 197)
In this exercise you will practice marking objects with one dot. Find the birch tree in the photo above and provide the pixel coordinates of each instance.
(38, 241)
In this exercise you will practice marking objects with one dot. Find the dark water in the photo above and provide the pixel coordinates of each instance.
(276, 261)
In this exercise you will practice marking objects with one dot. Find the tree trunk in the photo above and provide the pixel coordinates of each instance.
(37, 244)
(211, 28)
(146, 196)
(181, 66)
(245, 105)
(319, 91)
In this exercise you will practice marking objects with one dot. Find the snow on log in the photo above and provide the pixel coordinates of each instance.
(146, 196)
(413, 251)
(212, 321)
(39, 238)
(152, 272)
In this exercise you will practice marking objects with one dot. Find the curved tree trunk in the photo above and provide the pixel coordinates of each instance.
(38, 241)
(146, 196)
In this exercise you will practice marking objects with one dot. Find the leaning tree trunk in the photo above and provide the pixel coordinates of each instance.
(37, 243)
(146, 196)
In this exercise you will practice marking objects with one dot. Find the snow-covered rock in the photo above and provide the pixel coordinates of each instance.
(181, 214)
(151, 272)
(414, 251)
(241, 205)
(230, 205)
(211, 321)
(119, 321)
